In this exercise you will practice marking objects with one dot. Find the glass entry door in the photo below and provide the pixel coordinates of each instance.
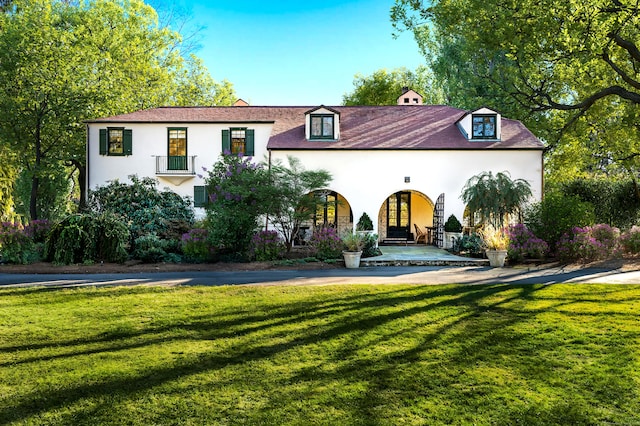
(398, 215)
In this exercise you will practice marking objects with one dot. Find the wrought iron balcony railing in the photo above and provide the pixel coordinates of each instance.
(170, 165)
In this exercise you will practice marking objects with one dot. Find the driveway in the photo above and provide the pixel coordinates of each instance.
(470, 275)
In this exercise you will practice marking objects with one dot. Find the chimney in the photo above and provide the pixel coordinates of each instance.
(240, 103)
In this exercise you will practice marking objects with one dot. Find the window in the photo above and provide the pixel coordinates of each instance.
(327, 209)
(116, 141)
(177, 149)
(322, 126)
(484, 127)
(238, 140)
(199, 196)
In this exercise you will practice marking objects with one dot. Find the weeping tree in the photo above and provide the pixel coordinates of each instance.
(494, 199)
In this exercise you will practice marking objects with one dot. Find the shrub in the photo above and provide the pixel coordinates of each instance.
(370, 247)
(588, 244)
(266, 246)
(630, 240)
(364, 223)
(326, 243)
(15, 244)
(556, 215)
(82, 238)
(38, 230)
(452, 224)
(195, 246)
(471, 244)
(150, 248)
(523, 244)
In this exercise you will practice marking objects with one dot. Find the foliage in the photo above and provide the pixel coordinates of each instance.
(569, 66)
(15, 244)
(62, 63)
(38, 230)
(615, 202)
(452, 224)
(145, 209)
(587, 244)
(495, 198)
(326, 243)
(384, 87)
(370, 246)
(239, 193)
(195, 245)
(630, 240)
(556, 215)
(494, 238)
(471, 244)
(353, 241)
(88, 237)
(266, 246)
(149, 248)
(364, 223)
(523, 244)
(294, 200)
(322, 355)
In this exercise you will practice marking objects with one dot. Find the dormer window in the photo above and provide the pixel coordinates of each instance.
(322, 126)
(484, 126)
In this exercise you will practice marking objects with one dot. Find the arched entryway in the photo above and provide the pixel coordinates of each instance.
(406, 216)
(331, 210)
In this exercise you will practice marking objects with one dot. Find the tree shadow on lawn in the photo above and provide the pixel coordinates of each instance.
(424, 342)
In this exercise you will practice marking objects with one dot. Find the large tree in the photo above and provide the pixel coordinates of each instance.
(383, 87)
(570, 69)
(65, 62)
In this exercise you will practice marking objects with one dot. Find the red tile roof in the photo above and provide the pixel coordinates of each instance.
(361, 127)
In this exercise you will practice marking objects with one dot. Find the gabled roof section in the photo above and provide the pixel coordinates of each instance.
(395, 127)
(311, 111)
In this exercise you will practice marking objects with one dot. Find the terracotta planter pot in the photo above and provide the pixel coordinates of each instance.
(496, 258)
(352, 259)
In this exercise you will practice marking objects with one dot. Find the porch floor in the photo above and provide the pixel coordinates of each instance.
(421, 255)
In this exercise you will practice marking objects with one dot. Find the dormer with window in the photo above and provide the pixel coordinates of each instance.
(482, 125)
(322, 124)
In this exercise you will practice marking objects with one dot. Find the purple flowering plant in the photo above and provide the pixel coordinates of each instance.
(588, 243)
(326, 243)
(15, 245)
(630, 240)
(266, 246)
(195, 245)
(523, 244)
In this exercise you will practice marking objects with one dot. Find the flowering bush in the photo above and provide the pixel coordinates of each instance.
(630, 240)
(326, 243)
(523, 244)
(266, 245)
(195, 245)
(15, 244)
(588, 244)
(38, 230)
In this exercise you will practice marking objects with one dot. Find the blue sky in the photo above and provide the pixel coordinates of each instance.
(298, 52)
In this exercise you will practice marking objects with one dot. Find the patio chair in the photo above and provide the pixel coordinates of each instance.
(420, 235)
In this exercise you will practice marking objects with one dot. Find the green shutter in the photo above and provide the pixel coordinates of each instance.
(226, 141)
(199, 196)
(249, 142)
(103, 141)
(128, 141)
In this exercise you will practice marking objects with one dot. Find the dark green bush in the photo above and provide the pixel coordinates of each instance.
(82, 238)
(364, 223)
(471, 244)
(370, 247)
(150, 248)
(15, 244)
(452, 224)
(556, 215)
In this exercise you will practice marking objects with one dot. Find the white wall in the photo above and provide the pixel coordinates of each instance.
(151, 140)
(367, 178)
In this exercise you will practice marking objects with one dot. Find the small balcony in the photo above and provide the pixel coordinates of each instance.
(175, 166)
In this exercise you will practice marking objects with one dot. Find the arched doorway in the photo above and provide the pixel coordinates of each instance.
(404, 215)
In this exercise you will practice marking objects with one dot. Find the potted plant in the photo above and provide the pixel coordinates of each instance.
(353, 243)
(496, 243)
(452, 231)
(364, 223)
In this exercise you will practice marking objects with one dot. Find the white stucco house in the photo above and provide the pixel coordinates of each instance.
(404, 165)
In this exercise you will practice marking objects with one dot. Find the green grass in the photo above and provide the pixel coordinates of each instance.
(335, 355)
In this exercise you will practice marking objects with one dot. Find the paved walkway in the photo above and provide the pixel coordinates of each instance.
(420, 255)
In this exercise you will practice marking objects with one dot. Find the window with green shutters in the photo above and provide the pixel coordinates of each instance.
(199, 196)
(116, 141)
(239, 140)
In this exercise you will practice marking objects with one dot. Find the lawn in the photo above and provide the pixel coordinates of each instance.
(334, 355)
